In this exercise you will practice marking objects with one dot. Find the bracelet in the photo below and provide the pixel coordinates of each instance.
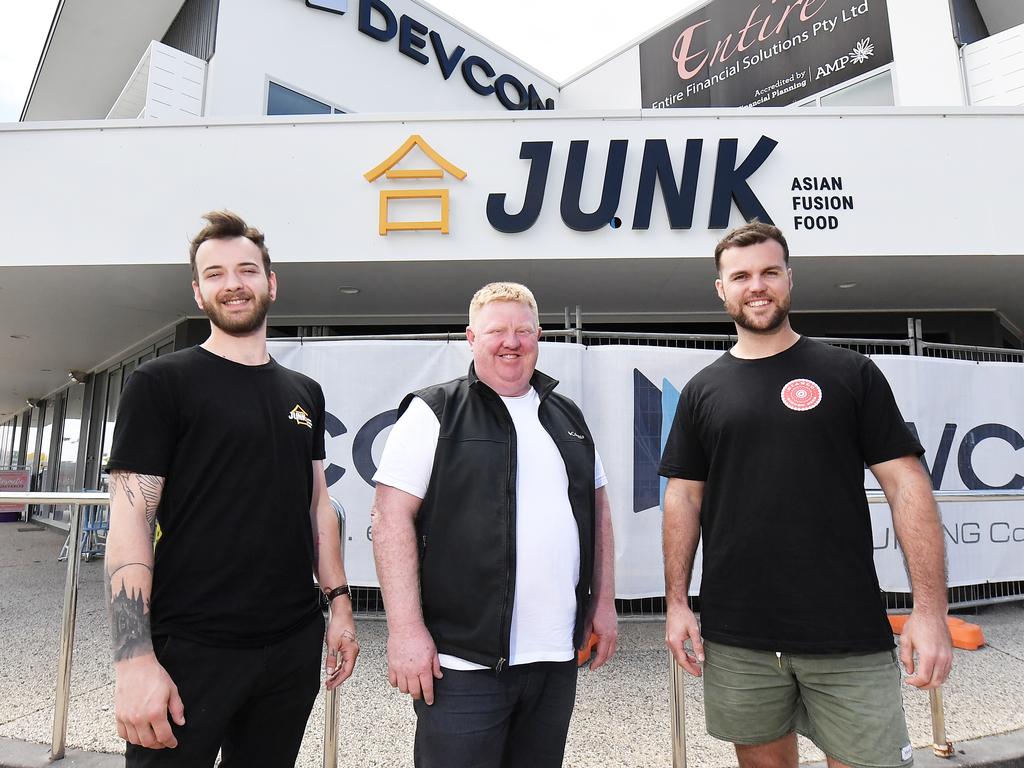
(338, 592)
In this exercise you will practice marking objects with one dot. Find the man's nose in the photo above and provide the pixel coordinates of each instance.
(233, 280)
(511, 339)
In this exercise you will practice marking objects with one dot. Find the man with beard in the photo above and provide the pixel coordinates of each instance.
(219, 516)
(765, 460)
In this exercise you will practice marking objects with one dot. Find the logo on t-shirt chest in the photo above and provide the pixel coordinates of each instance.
(299, 416)
(801, 395)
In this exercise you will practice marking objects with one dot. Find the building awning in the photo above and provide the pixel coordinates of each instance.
(91, 50)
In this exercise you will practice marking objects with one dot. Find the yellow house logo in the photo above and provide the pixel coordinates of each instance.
(388, 170)
(299, 416)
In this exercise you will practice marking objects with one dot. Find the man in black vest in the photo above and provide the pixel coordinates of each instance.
(493, 542)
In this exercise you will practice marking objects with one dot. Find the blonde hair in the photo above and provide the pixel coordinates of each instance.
(503, 292)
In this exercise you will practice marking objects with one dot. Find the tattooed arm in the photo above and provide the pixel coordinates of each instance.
(144, 693)
(342, 648)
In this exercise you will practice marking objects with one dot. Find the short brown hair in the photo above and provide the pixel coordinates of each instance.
(225, 225)
(751, 233)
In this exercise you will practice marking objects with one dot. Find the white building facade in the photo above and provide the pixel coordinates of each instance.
(397, 161)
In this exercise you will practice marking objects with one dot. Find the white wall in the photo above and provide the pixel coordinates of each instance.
(995, 69)
(926, 61)
(615, 84)
(303, 179)
(326, 56)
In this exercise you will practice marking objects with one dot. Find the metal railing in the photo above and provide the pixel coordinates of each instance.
(62, 695)
(58, 741)
(972, 353)
(331, 697)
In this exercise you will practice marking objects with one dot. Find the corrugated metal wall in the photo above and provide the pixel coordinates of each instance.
(194, 29)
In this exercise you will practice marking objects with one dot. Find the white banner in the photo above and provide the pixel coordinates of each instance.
(969, 417)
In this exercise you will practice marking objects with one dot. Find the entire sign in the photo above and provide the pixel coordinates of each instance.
(13, 481)
(968, 417)
(652, 185)
(736, 53)
(378, 21)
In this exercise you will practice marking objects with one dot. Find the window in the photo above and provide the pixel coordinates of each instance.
(876, 91)
(872, 91)
(286, 101)
(6, 443)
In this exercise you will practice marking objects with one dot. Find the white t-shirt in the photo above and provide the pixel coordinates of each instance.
(547, 539)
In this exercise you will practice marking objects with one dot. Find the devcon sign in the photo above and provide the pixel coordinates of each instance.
(735, 53)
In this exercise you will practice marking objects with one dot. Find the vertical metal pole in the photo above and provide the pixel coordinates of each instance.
(940, 745)
(579, 324)
(568, 322)
(677, 712)
(331, 729)
(67, 637)
(331, 697)
(919, 336)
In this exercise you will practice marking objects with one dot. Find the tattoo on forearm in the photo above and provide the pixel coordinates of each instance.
(129, 621)
(121, 481)
(144, 565)
(151, 487)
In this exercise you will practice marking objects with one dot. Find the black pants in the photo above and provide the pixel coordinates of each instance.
(518, 719)
(250, 703)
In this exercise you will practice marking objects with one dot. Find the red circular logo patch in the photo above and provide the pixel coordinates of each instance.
(801, 394)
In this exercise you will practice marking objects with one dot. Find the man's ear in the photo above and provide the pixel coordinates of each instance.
(720, 289)
(197, 295)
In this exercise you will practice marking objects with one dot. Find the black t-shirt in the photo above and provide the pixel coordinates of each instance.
(234, 558)
(781, 443)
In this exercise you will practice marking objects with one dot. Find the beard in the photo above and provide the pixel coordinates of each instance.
(239, 324)
(764, 324)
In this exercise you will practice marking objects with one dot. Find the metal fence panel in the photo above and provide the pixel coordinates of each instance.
(367, 601)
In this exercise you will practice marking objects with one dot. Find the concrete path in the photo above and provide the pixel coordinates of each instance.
(622, 711)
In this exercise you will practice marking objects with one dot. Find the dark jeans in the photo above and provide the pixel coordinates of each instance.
(250, 703)
(518, 719)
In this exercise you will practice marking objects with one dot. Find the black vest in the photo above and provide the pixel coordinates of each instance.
(466, 524)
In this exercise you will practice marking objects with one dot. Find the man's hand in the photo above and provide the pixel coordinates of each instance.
(342, 646)
(604, 624)
(681, 625)
(927, 637)
(413, 663)
(143, 695)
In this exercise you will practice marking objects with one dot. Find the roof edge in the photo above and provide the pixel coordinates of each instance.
(42, 59)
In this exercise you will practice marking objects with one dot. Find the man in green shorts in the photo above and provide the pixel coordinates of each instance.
(765, 460)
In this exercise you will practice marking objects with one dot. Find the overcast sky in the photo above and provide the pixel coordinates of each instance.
(557, 37)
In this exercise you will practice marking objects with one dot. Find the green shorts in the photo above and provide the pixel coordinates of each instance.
(849, 705)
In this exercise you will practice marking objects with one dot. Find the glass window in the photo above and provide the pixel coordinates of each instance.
(285, 101)
(6, 435)
(19, 425)
(71, 432)
(44, 445)
(113, 395)
(873, 92)
(31, 452)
